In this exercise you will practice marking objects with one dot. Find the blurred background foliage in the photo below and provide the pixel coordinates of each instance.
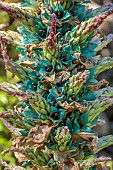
(7, 102)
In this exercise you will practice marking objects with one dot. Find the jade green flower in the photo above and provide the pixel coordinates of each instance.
(61, 13)
(45, 67)
(56, 115)
(29, 85)
(80, 123)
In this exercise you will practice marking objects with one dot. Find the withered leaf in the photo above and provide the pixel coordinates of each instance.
(57, 77)
(71, 164)
(75, 167)
(73, 106)
(40, 133)
(89, 137)
(35, 138)
(99, 85)
(27, 63)
(62, 76)
(88, 63)
(49, 78)
(20, 157)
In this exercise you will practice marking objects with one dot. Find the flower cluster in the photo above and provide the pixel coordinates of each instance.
(60, 97)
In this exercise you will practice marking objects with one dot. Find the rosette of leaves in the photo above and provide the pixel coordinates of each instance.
(60, 98)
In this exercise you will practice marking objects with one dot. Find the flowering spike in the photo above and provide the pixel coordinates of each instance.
(11, 128)
(104, 92)
(87, 27)
(50, 45)
(100, 10)
(9, 167)
(11, 37)
(10, 65)
(14, 91)
(94, 162)
(103, 64)
(60, 98)
(76, 83)
(52, 32)
(104, 142)
(16, 11)
(4, 52)
(102, 44)
(99, 106)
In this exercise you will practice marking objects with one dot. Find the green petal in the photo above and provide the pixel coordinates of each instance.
(69, 124)
(24, 132)
(76, 127)
(84, 118)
